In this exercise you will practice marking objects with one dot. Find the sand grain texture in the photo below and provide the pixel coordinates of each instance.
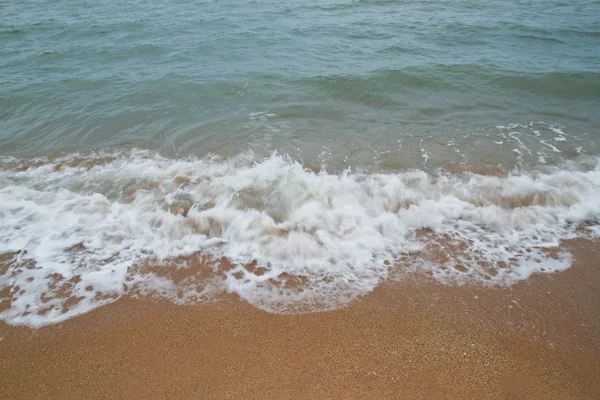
(409, 339)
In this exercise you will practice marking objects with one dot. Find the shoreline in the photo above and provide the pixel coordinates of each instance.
(413, 338)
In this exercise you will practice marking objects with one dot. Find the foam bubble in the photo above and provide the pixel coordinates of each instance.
(80, 232)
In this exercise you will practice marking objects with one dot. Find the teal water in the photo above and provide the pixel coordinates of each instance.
(366, 84)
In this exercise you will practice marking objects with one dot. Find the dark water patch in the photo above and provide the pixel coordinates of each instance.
(377, 85)
(9, 31)
(580, 33)
(566, 85)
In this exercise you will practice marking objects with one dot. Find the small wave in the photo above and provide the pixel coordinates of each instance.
(580, 32)
(385, 83)
(569, 85)
(541, 38)
(80, 232)
(11, 31)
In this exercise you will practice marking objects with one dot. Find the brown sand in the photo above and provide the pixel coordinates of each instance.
(410, 339)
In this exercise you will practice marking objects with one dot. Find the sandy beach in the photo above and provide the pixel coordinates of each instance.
(413, 338)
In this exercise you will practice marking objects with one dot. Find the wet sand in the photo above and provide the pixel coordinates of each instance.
(411, 338)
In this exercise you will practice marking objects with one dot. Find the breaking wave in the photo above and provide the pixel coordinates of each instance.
(79, 232)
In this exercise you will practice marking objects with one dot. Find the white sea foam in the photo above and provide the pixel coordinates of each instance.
(76, 230)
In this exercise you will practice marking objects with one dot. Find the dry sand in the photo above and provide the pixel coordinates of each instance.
(410, 339)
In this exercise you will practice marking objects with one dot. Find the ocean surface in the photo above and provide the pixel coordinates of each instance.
(297, 153)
